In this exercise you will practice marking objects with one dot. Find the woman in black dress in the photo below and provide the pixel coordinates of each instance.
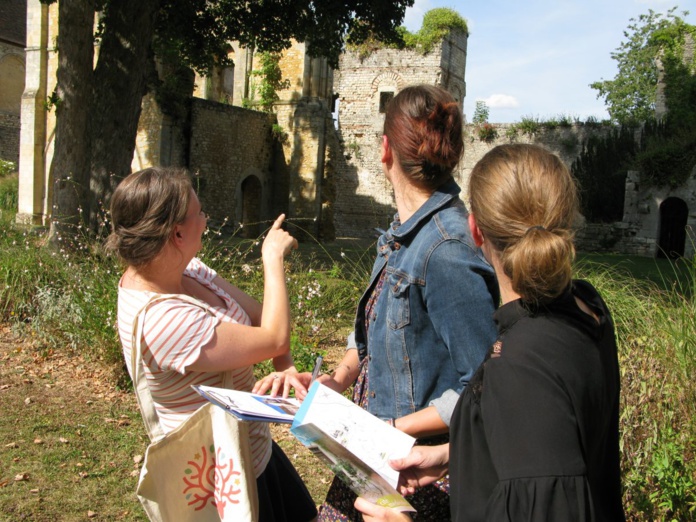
(535, 436)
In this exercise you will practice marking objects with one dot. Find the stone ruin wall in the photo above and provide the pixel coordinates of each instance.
(240, 147)
(638, 232)
(364, 197)
(329, 181)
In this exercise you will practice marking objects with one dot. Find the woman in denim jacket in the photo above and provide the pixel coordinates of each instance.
(425, 321)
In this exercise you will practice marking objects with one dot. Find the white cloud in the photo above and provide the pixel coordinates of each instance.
(501, 101)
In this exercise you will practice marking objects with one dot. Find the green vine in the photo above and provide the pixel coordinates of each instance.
(668, 148)
(271, 81)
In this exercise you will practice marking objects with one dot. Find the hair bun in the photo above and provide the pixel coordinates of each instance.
(442, 143)
(424, 125)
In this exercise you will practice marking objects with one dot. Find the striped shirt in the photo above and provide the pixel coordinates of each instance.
(174, 331)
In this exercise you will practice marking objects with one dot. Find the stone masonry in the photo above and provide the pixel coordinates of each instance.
(325, 174)
(12, 73)
(364, 84)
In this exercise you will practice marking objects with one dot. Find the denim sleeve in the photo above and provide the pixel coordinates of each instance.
(461, 295)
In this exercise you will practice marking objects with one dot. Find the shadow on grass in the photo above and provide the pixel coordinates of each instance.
(665, 273)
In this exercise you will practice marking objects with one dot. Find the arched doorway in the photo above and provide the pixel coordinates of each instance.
(673, 215)
(251, 207)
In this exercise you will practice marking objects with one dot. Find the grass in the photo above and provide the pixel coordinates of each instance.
(72, 434)
(664, 273)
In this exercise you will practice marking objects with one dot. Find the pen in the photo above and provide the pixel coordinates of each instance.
(317, 368)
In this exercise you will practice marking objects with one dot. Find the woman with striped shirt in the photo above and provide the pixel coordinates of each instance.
(157, 225)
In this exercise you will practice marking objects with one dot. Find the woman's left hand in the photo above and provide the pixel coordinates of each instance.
(280, 383)
(374, 513)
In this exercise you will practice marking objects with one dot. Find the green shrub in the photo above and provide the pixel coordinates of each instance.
(487, 132)
(437, 24)
(7, 167)
(529, 125)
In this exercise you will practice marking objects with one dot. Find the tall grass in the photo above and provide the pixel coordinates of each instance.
(66, 299)
(655, 329)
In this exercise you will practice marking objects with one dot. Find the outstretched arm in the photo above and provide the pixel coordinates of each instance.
(235, 345)
(340, 379)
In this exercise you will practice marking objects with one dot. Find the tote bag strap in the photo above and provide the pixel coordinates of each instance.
(142, 390)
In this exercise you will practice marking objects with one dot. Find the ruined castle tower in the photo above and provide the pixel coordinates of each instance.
(364, 85)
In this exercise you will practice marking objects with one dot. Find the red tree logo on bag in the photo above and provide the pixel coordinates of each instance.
(211, 479)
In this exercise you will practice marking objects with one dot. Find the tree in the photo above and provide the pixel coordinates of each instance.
(98, 106)
(630, 97)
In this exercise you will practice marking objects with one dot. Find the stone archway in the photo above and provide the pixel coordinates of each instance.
(673, 215)
(251, 207)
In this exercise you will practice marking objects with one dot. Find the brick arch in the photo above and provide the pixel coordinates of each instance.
(385, 86)
(388, 78)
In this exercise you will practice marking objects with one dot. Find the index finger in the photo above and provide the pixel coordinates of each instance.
(278, 222)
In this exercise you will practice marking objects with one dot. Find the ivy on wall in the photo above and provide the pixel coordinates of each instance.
(270, 81)
(665, 152)
(601, 173)
(437, 24)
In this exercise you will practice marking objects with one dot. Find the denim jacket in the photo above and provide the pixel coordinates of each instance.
(433, 321)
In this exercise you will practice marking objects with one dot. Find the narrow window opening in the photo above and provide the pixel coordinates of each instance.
(384, 99)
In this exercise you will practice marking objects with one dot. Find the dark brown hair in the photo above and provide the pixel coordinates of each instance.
(424, 126)
(145, 207)
(525, 203)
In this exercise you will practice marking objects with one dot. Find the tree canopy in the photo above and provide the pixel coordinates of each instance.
(98, 106)
(631, 96)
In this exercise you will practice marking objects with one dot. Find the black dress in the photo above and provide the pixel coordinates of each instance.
(535, 435)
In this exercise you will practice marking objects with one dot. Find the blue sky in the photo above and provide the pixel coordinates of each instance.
(538, 57)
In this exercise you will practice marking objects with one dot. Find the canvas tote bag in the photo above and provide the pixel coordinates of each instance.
(203, 470)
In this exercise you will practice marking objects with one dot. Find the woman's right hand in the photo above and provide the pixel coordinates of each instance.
(278, 242)
(422, 466)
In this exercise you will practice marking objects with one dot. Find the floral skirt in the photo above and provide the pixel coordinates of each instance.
(432, 503)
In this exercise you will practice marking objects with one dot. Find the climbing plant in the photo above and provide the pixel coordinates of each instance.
(270, 82)
(601, 171)
(665, 153)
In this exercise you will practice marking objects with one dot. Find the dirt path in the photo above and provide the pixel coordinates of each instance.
(70, 440)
